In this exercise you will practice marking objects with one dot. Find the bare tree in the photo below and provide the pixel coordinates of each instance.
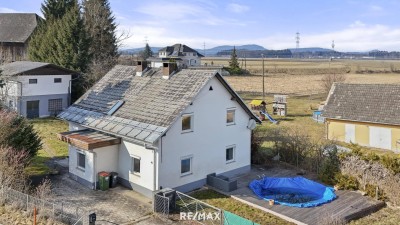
(328, 80)
(12, 168)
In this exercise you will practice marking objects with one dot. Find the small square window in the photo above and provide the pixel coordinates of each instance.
(230, 154)
(230, 116)
(186, 165)
(187, 123)
(32, 81)
(81, 160)
(135, 165)
(57, 80)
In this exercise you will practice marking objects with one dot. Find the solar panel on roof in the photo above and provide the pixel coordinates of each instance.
(116, 106)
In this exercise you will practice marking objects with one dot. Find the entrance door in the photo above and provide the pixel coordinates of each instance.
(380, 137)
(350, 133)
(32, 109)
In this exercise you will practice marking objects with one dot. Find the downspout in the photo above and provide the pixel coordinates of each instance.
(154, 165)
(94, 170)
(20, 98)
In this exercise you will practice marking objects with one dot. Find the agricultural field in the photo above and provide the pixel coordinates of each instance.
(304, 77)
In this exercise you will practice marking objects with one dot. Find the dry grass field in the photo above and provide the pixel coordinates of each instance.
(303, 77)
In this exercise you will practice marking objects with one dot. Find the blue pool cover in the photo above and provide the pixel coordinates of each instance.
(293, 191)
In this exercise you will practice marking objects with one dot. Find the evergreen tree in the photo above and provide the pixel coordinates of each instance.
(18, 133)
(147, 52)
(233, 63)
(62, 41)
(56, 9)
(100, 25)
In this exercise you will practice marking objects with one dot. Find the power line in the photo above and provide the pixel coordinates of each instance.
(297, 40)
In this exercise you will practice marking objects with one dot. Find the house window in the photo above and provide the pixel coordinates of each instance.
(81, 160)
(186, 165)
(187, 122)
(32, 81)
(57, 80)
(55, 105)
(230, 116)
(135, 165)
(230, 154)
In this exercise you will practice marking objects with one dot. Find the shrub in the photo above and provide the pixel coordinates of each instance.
(346, 182)
(391, 163)
(370, 190)
(18, 133)
(330, 166)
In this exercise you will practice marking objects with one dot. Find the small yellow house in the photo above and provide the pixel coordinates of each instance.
(365, 114)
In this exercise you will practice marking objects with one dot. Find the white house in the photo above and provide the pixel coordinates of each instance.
(183, 55)
(35, 89)
(158, 128)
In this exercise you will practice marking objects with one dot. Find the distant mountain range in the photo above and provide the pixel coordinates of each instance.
(250, 48)
(208, 52)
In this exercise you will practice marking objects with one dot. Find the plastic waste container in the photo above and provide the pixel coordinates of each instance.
(113, 179)
(104, 181)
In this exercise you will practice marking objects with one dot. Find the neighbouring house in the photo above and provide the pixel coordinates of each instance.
(157, 128)
(183, 55)
(366, 114)
(35, 89)
(15, 32)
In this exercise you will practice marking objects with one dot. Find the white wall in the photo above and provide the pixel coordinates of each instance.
(208, 141)
(106, 159)
(45, 85)
(145, 178)
(86, 174)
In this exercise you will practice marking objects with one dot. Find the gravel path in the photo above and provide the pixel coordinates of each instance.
(116, 206)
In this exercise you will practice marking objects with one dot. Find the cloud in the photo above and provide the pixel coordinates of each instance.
(8, 10)
(237, 8)
(375, 8)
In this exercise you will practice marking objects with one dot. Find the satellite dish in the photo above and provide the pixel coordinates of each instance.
(252, 124)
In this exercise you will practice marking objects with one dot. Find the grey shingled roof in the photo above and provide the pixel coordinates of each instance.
(374, 103)
(178, 50)
(151, 103)
(20, 67)
(17, 27)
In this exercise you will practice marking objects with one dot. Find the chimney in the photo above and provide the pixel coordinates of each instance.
(168, 69)
(140, 68)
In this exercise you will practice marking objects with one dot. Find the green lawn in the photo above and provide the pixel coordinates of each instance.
(229, 204)
(52, 147)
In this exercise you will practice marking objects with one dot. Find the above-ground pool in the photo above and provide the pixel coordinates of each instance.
(294, 191)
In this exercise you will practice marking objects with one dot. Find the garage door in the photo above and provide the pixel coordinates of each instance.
(350, 133)
(380, 137)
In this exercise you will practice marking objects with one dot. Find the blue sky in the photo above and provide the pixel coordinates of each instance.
(354, 25)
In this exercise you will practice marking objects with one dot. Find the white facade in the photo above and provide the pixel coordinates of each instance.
(207, 143)
(160, 165)
(41, 89)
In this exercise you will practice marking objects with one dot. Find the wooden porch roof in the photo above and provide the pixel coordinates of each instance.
(88, 139)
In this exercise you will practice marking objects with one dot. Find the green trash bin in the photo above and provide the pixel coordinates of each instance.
(104, 181)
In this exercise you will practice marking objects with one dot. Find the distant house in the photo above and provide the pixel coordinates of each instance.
(35, 89)
(157, 128)
(183, 55)
(15, 32)
(366, 114)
